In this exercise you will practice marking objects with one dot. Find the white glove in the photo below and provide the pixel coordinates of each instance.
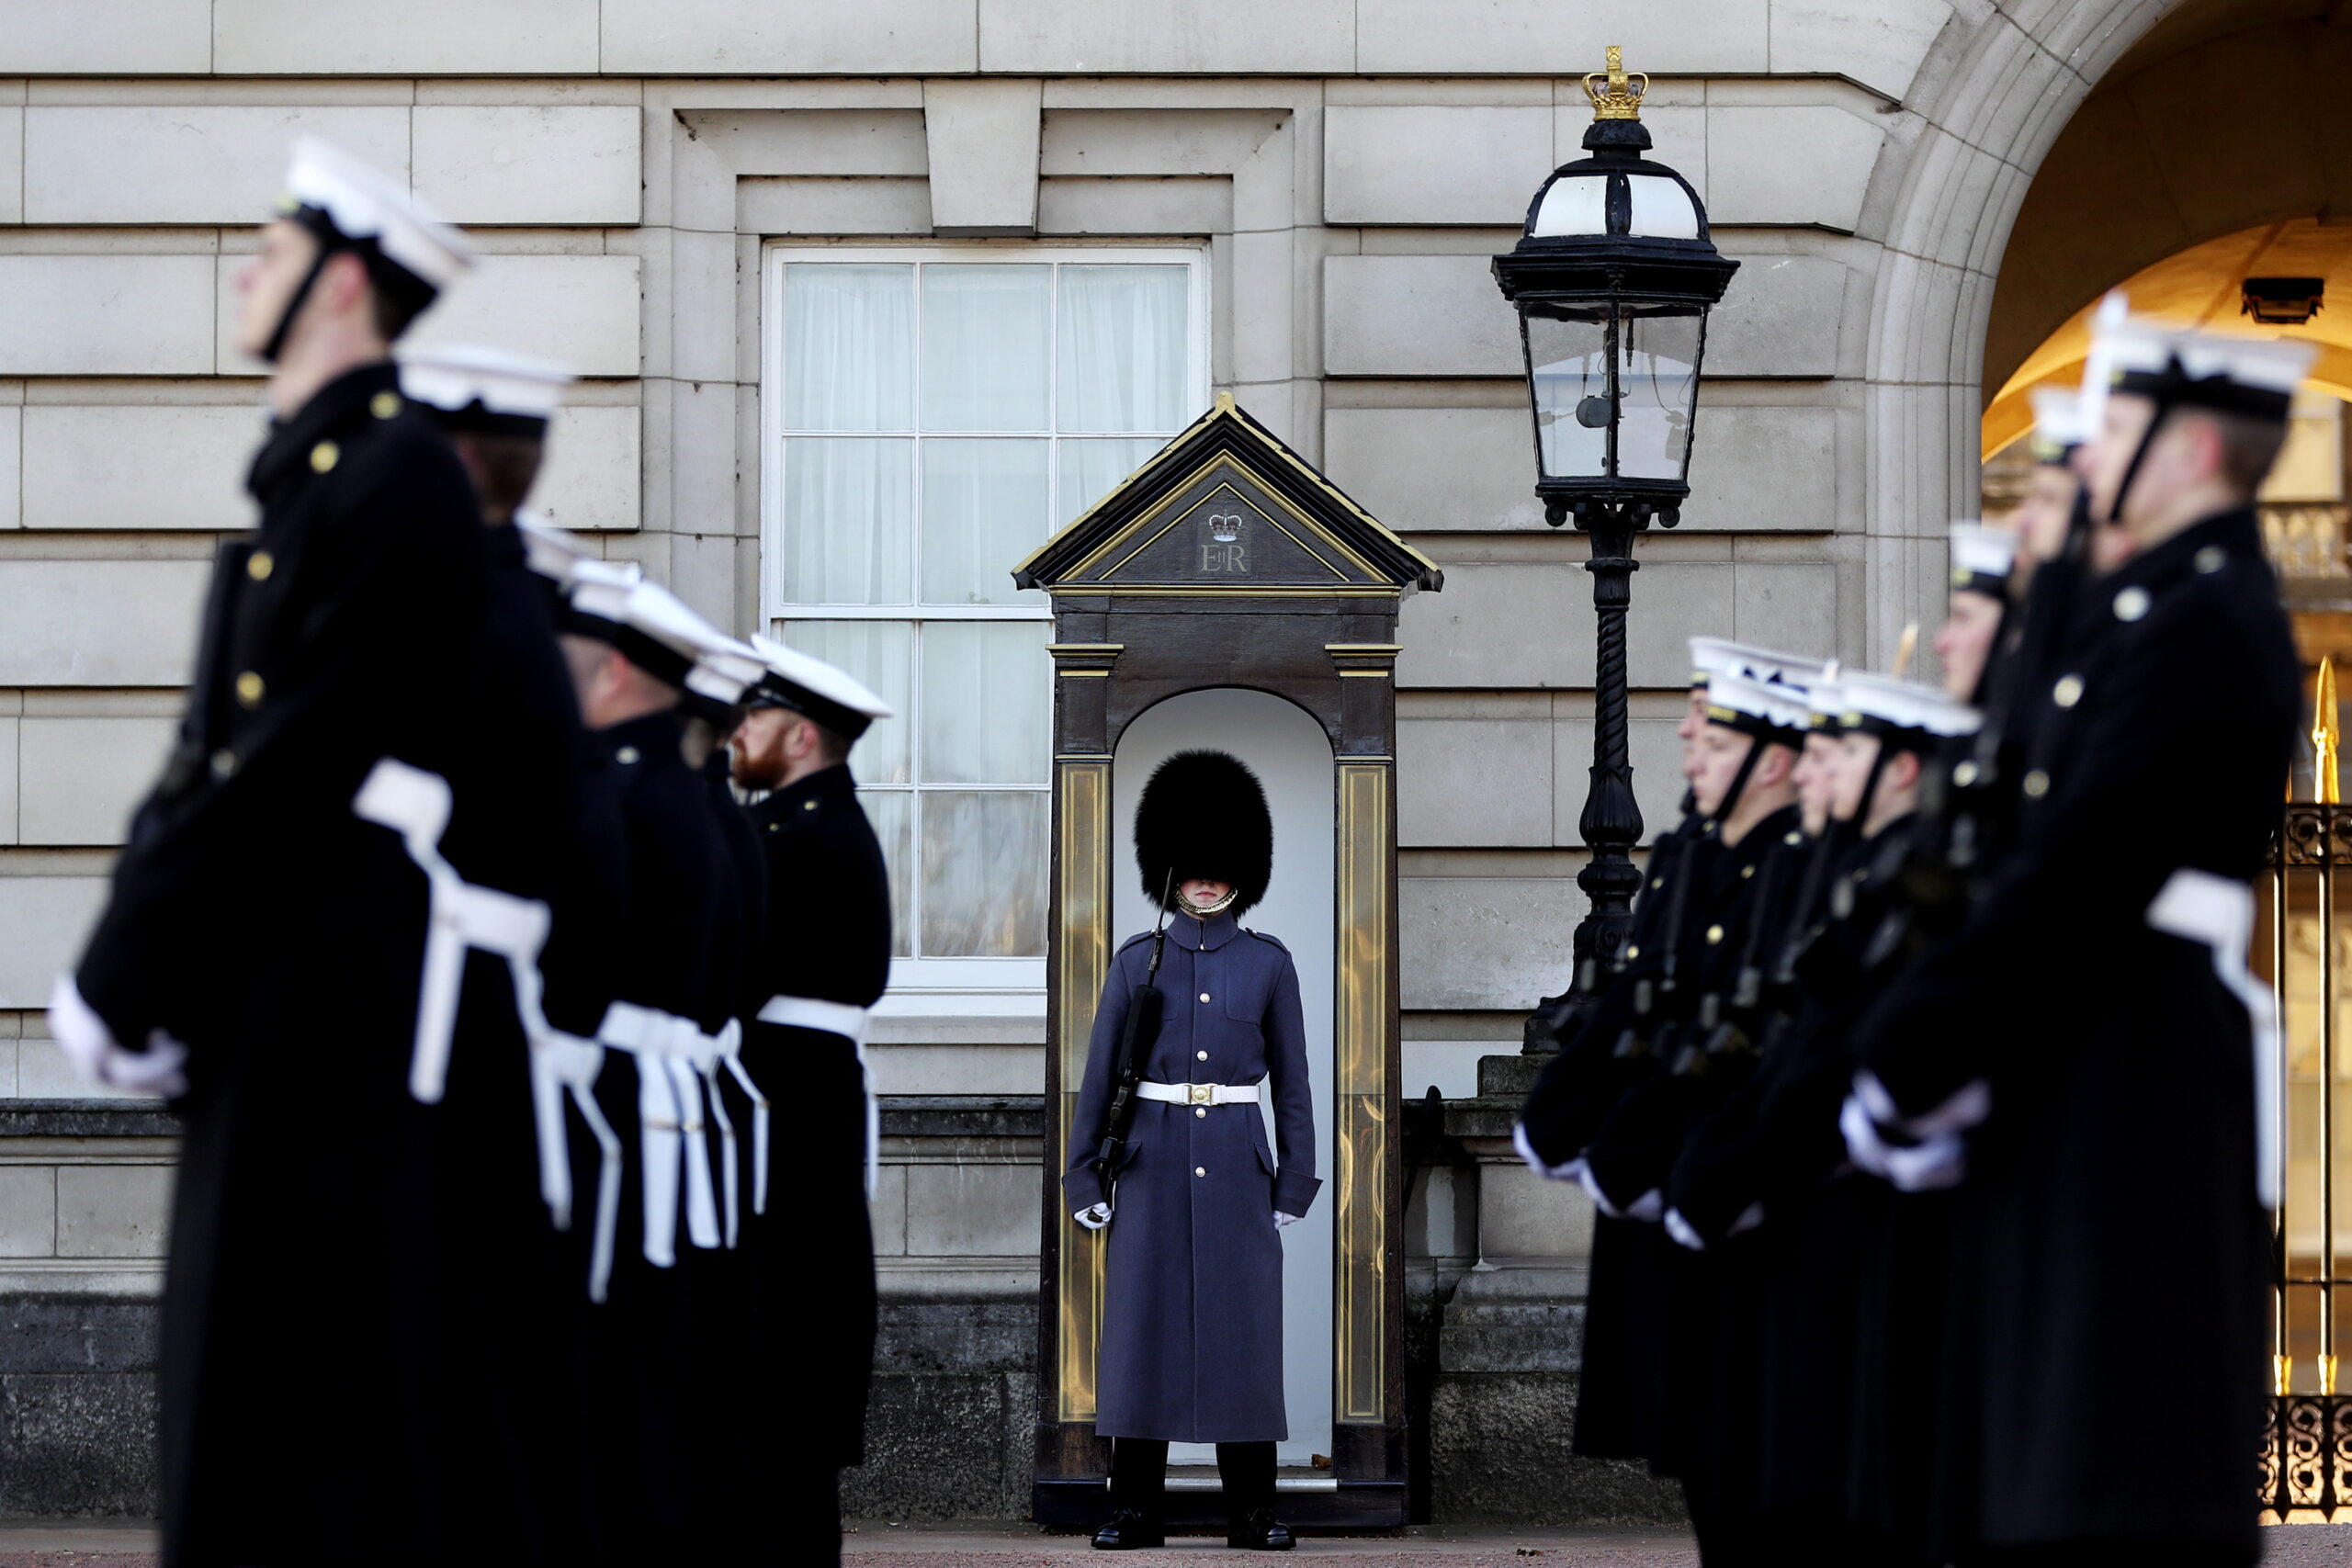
(1649, 1208)
(1282, 1220)
(1572, 1171)
(1094, 1216)
(1683, 1232)
(91, 1046)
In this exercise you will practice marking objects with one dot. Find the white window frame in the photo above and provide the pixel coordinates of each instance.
(947, 985)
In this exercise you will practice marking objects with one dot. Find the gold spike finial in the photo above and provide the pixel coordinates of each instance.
(1619, 97)
(2324, 735)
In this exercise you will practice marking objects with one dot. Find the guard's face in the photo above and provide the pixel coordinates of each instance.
(1715, 755)
(1694, 719)
(266, 282)
(1817, 780)
(758, 751)
(2042, 517)
(2101, 461)
(1965, 640)
(1856, 752)
(1203, 893)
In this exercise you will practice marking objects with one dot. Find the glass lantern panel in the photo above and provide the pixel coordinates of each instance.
(1567, 374)
(1661, 209)
(1657, 386)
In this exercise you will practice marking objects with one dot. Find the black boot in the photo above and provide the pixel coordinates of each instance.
(1129, 1531)
(1258, 1530)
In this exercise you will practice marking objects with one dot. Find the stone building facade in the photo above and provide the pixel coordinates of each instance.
(1333, 175)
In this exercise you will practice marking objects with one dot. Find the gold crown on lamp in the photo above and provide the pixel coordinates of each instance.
(1619, 97)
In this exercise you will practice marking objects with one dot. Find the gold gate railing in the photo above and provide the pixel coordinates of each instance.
(2306, 1474)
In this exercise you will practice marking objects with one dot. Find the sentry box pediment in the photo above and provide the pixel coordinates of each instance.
(1226, 509)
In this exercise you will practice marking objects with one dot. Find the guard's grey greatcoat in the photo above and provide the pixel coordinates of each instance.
(1191, 1344)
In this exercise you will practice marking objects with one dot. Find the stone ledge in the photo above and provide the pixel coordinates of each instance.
(86, 1118)
(963, 1115)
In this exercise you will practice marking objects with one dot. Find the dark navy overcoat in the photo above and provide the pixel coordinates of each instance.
(1192, 1348)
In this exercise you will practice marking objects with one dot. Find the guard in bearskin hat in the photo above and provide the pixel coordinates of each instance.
(1199, 1024)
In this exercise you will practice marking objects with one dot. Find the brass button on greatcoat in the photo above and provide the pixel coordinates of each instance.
(224, 762)
(1200, 1171)
(249, 690)
(259, 565)
(1203, 1055)
(808, 806)
(1635, 951)
(2067, 692)
(2132, 604)
(2210, 559)
(1745, 872)
(1205, 995)
(2037, 783)
(323, 457)
(383, 405)
(1964, 774)
(1715, 935)
(627, 754)
(1199, 1110)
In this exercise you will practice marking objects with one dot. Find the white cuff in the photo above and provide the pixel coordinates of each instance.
(1282, 1220)
(1967, 1106)
(91, 1046)
(1863, 1145)
(1094, 1216)
(1649, 1208)
(1932, 1166)
(1683, 1232)
(1572, 1170)
(1750, 1218)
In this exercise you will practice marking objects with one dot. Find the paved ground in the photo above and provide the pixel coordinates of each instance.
(875, 1544)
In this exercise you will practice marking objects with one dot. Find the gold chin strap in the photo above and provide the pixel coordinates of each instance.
(1203, 911)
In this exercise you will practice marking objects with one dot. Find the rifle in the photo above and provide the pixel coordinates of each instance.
(1136, 1041)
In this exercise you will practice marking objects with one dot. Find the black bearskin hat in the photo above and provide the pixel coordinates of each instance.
(1204, 815)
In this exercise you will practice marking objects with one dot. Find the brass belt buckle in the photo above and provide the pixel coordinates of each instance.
(1200, 1094)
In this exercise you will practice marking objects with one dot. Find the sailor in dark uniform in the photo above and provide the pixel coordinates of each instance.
(822, 963)
(257, 960)
(2109, 1124)
(633, 648)
(534, 819)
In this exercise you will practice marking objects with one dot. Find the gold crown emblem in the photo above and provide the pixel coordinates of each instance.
(1618, 96)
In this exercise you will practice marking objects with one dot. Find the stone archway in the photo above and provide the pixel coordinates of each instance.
(1992, 97)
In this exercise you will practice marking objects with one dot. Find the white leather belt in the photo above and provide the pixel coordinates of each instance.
(808, 1012)
(2219, 913)
(417, 806)
(849, 1022)
(1199, 1093)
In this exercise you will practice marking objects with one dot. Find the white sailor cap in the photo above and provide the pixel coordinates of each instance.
(549, 550)
(595, 595)
(1715, 655)
(651, 626)
(814, 689)
(1903, 714)
(344, 199)
(1982, 558)
(471, 388)
(2233, 374)
(1825, 701)
(724, 671)
(2058, 425)
(1769, 710)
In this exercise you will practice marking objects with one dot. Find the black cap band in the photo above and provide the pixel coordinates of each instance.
(774, 692)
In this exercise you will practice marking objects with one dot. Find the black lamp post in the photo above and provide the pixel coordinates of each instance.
(1612, 280)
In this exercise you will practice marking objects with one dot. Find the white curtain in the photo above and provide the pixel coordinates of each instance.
(984, 700)
(984, 507)
(848, 521)
(892, 812)
(1123, 350)
(985, 337)
(849, 360)
(1090, 469)
(984, 858)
